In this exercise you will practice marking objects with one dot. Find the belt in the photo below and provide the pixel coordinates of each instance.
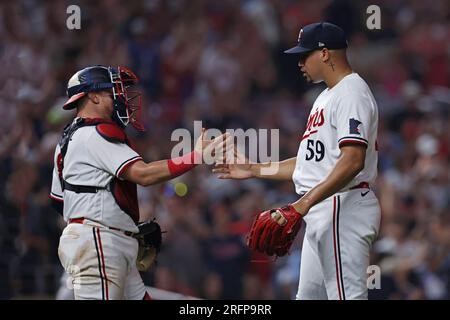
(362, 185)
(81, 221)
(80, 189)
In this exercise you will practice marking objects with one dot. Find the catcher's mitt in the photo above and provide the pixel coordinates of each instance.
(273, 231)
(150, 239)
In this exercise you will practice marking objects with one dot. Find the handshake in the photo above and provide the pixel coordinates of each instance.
(229, 162)
(213, 151)
(272, 231)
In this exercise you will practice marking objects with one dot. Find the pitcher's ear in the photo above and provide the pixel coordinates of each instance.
(325, 54)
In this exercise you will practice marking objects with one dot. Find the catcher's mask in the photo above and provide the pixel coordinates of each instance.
(127, 103)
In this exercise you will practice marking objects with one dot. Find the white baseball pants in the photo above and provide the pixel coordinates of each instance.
(101, 262)
(335, 255)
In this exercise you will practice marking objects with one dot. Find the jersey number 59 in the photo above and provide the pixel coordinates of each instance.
(316, 150)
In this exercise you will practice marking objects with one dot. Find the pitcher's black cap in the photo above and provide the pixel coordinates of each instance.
(319, 35)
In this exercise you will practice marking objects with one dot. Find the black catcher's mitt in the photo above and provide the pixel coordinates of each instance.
(150, 240)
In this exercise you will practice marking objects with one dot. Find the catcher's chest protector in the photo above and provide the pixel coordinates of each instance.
(124, 192)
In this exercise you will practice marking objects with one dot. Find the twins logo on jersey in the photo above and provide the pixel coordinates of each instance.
(315, 121)
(354, 124)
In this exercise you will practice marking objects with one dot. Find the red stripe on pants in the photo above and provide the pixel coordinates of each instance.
(103, 263)
(335, 250)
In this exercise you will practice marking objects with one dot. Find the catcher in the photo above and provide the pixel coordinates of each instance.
(94, 183)
(334, 168)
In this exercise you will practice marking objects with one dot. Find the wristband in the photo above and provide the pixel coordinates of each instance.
(180, 165)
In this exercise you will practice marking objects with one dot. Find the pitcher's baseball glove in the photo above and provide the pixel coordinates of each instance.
(273, 231)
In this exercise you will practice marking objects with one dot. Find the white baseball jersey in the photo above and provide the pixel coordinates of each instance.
(91, 160)
(345, 113)
(340, 230)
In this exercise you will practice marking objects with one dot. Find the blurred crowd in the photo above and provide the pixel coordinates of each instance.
(222, 62)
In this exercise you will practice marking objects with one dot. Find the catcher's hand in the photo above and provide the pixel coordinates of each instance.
(273, 231)
(150, 239)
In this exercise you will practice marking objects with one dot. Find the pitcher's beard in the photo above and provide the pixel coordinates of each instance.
(307, 77)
